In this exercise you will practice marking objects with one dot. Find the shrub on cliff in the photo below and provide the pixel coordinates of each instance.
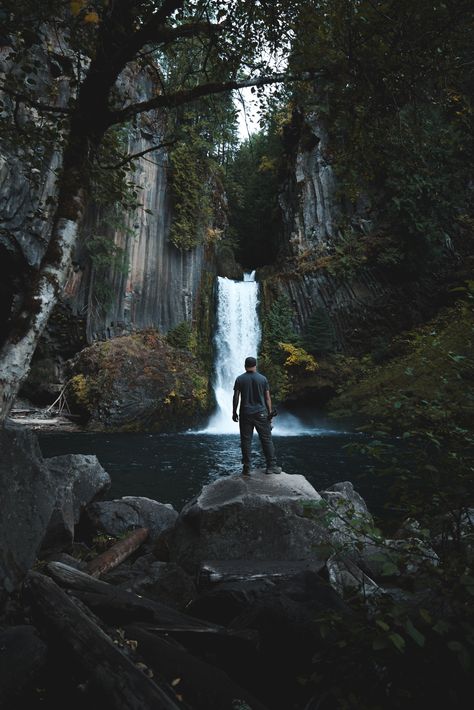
(138, 383)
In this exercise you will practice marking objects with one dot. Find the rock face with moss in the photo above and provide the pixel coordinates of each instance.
(138, 383)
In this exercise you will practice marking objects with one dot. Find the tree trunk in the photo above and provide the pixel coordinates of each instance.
(20, 345)
(116, 605)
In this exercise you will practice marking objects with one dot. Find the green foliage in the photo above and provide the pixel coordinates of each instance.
(282, 358)
(401, 655)
(319, 336)
(111, 182)
(252, 185)
(191, 207)
(298, 359)
(418, 647)
(105, 256)
(397, 104)
(278, 327)
(182, 336)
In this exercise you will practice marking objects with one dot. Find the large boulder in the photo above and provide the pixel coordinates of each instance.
(347, 516)
(138, 383)
(116, 517)
(264, 517)
(78, 480)
(27, 499)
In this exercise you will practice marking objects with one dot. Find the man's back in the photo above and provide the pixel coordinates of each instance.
(252, 387)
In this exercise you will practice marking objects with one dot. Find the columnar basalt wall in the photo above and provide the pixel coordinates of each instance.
(365, 305)
(309, 199)
(152, 283)
(155, 284)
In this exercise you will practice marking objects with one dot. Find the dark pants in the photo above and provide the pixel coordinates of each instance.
(263, 426)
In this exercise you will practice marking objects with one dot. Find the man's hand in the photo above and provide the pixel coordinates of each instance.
(235, 417)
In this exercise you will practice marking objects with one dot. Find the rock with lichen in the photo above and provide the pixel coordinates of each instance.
(138, 383)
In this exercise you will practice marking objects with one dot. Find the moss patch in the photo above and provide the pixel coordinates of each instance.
(138, 383)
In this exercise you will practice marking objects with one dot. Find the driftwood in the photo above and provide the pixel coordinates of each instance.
(212, 571)
(119, 552)
(119, 606)
(125, 686)
(202, 685)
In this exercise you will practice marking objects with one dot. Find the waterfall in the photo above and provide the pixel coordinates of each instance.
(237, 336)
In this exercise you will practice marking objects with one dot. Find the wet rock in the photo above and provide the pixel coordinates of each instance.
(287, 620)
(159, 581)
(345, 576)
(229, 599)
(27, 499)
(78, 479)
(260, 518)
(116, 517)
(348, 516)
(410, 528)
(343, 495)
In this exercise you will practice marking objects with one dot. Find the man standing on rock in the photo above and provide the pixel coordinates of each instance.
(255, 412)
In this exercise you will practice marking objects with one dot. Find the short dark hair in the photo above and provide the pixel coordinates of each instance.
(250, 362)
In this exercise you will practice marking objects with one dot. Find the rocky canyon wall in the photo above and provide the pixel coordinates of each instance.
(150, 283)
(366, 304)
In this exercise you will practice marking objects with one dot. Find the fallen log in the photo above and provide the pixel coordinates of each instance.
(125, 686)
(118, 606)
(212, 571)
(116, 554)
(202, 685)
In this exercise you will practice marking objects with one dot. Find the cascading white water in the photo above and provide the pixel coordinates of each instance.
(237, 336)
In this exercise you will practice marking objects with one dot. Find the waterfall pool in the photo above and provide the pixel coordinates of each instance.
(172, 468)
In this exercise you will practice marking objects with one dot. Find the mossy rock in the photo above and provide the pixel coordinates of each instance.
(138, 383)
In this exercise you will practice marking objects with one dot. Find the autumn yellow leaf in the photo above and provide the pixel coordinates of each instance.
(92, 18)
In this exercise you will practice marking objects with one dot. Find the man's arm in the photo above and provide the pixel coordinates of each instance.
(268, 402)
(235, 404)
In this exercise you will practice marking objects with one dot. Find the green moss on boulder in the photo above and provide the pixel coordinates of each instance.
(138, 383)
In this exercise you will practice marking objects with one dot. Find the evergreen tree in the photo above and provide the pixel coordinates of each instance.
(319, 337)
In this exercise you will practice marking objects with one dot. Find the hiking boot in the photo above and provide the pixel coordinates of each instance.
(246, 470)
(273, 469)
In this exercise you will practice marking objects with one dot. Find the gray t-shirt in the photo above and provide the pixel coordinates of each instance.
(252, 387)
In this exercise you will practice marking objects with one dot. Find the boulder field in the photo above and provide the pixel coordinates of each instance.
(218, 606)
